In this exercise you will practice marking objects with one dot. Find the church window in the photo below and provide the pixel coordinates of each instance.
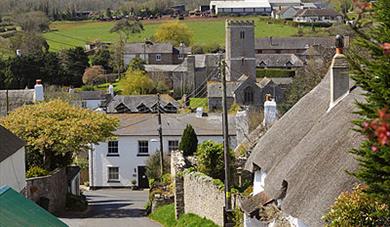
(242, 35)
(248, 96)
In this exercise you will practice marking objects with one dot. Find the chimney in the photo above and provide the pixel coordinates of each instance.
(38, 91)
(111, 90)
(339, 78)
(270, 111)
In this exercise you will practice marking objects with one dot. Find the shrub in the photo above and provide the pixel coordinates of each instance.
(36, 171)
(153, 166)
(356, 208)
(211, 159)
(92, 73)
(189, 141)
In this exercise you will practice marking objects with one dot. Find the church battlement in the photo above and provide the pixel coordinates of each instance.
(240, 23)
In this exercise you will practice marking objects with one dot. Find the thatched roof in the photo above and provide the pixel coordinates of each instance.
(16, 98)
(308, 147)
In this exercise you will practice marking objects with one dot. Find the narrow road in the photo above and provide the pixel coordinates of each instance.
(113, 208)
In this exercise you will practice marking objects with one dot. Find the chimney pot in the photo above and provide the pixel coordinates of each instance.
(38, 91)
(339, 77)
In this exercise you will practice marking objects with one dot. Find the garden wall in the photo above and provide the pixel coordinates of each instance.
(49, 191)
(203, 197)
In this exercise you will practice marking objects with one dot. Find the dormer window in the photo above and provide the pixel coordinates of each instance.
(142, 108)
(122, 108)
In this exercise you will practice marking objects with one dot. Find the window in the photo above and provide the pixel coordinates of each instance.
(248, 95)
(113, 174)
(113, 148)
(242, 35)
(181, 56)
(173, 145)
(83, 104)
(158, 57)
(143, 147)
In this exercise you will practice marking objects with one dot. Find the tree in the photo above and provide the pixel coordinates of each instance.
(210, 159)
(28, 43)
(32, 21)
(102, 57)
(306, 79)
(92, 73)
(117, 56)
(370, 61)
(175, 33)
(153, 166)
(137, 64)
(136, 83)
(189, 141)
(125, 27)
(74, 61)
(57, 131)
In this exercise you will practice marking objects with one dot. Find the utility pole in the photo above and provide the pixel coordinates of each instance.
(6, 102)
(160, 135)
(225, 142)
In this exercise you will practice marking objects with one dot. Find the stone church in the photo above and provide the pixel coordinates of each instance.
(241, 85)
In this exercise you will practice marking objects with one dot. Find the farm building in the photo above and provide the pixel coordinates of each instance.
(246, 7)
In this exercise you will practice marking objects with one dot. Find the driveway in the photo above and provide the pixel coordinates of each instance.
(113, 208)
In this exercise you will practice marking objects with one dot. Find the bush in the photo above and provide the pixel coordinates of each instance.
(92, 73)
(357, 209)
(153, 166)
(189, 141)
(211, 160)
(36, 171)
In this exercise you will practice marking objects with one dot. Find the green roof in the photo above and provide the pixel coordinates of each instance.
(15, 210)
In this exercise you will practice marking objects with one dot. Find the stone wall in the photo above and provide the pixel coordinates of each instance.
(49, 191)
(203, 198)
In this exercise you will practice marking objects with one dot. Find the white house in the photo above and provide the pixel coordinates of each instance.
(12, 164)
(318, 16)
(117, 162)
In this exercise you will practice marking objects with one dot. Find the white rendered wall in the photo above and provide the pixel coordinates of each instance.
(93, 104)
(12, 171)
(128, 161)
(259, 181)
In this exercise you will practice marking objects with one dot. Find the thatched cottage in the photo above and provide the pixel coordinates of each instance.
(300, 163)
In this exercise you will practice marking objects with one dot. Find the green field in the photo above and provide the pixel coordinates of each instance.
(206, 31)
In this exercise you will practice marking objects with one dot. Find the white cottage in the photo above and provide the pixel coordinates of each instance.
(117, 162)
(12, 164)
(300, 163)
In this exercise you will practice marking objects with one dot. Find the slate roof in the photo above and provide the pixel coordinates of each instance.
(133, 101)
(317, 12)
(262, 82)
(214, 88)
(285, 2)
(278, 60)
(15, 210)
(308, 147)
(286, 43)
(156, 48)
(9, 143)
(16, 98)
(165, 68)
(172, 124)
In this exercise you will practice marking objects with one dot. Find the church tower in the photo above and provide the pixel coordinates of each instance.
(240, 49)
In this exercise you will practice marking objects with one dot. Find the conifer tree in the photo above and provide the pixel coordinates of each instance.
(189, 141)
(370, 60)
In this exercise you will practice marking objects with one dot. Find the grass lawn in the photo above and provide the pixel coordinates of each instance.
(206, 31)
(199, 102)
(166, 216)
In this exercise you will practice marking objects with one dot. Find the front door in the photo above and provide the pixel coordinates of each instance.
(143, 181)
